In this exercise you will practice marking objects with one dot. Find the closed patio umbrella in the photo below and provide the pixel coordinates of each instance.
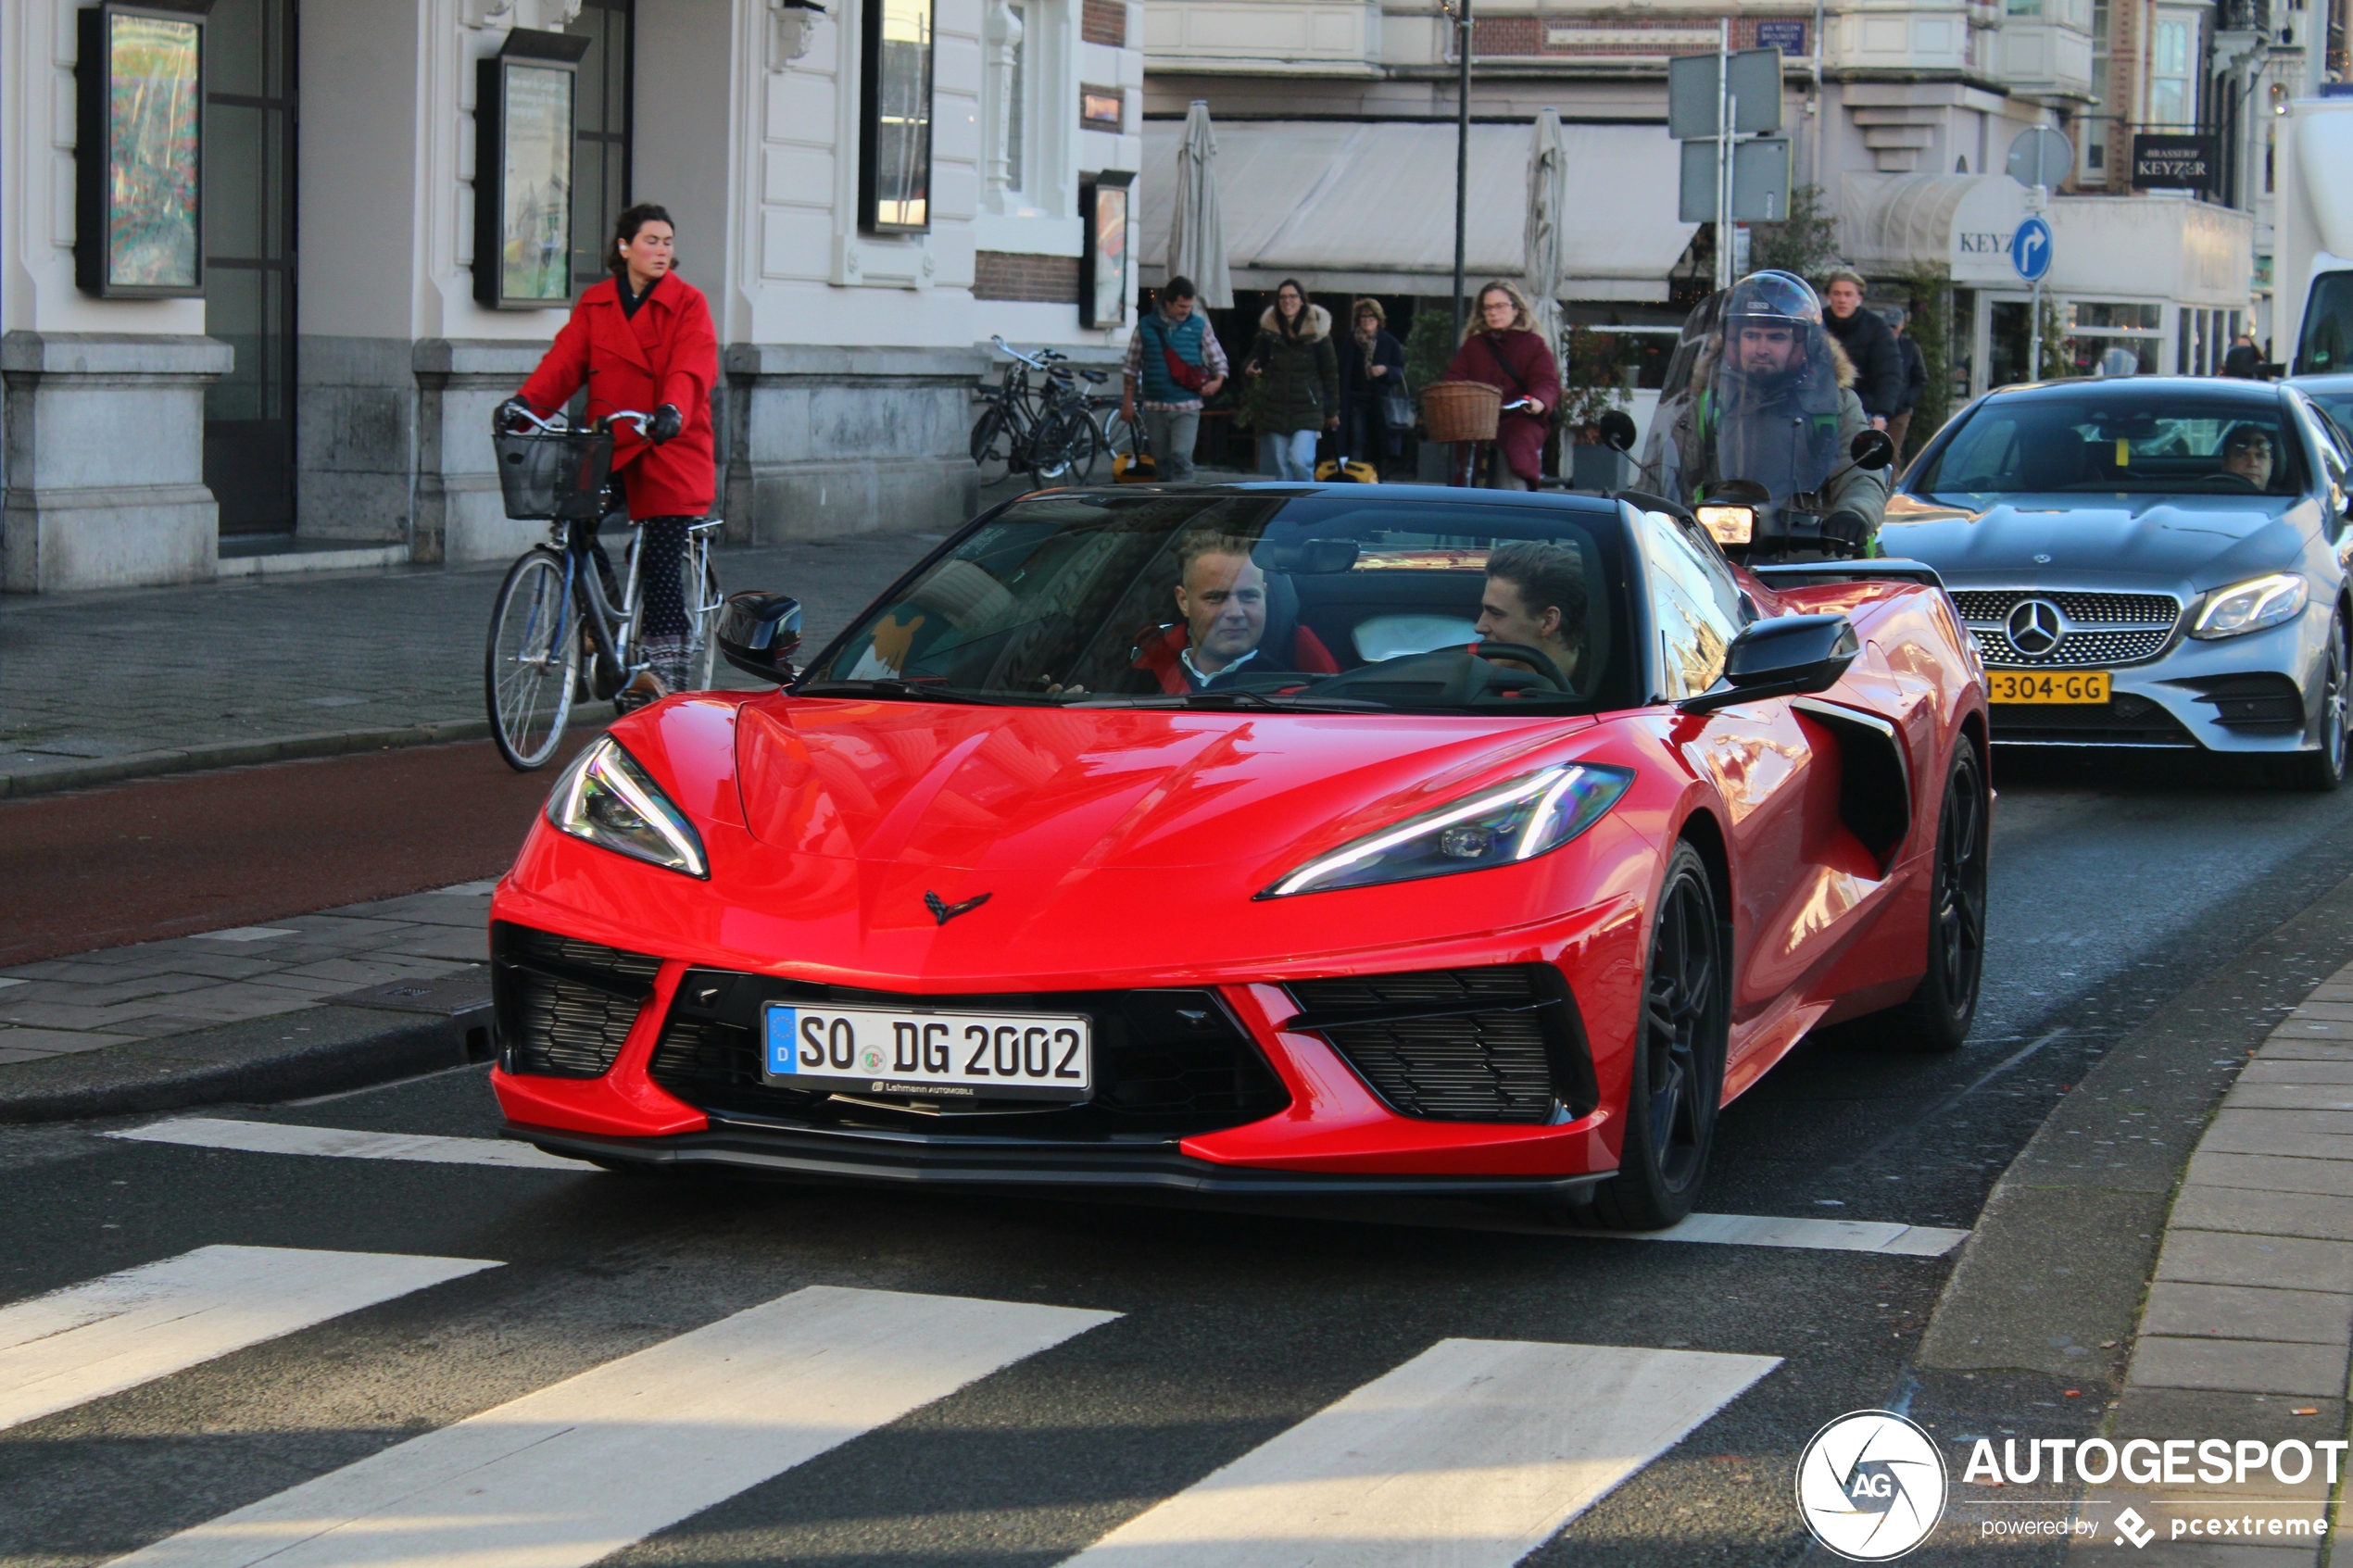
(1197, 230)
(1542, 246)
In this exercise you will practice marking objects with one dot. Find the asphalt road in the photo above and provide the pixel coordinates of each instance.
(2114, 886)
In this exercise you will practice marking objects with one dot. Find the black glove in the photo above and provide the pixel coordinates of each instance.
(507, 417)
(668, 422)
(1846, 527)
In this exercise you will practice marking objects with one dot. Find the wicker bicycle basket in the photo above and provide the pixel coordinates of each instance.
(554, 474)
(1461, 410)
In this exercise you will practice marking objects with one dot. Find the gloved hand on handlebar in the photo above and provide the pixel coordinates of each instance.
(1848, 528)
(667, 422)
(509, 415)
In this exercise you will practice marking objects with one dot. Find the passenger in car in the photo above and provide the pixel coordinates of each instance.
(1535, 596)
(2246, 452)
(1237, 621)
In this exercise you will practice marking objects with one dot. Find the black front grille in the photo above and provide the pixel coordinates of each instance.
(2125, 719)
(1166, 1062)
(563, 1006)
(2257, 700)
(1458, 1045)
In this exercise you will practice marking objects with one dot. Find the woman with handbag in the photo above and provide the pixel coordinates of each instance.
(1502, 348)
(1292, 357)
(1375, 404)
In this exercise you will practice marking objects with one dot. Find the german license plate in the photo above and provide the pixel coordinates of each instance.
(2078, 687)
(933, 1055)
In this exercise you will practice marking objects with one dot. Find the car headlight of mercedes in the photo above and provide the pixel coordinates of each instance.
(1515, 821)
(2252, 605)
(605, 798)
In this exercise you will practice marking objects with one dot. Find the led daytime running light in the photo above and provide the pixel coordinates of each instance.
(665, 839)
(1545, 828)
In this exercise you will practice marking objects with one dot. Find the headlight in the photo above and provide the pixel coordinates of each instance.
(2252, 605)
(605, 798)
(1513, 821)
(1730, 525)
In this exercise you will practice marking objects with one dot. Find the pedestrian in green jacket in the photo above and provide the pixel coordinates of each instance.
(1299, 373)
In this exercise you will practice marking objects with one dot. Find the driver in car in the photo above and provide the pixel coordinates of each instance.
(1535, 596)
(2246, 453)
(1221, 594)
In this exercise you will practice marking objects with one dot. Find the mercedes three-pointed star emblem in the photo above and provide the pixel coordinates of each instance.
(2035, 627)
(943, 911)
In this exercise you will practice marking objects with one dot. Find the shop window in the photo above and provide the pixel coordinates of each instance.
(249, 262)
(895, 114)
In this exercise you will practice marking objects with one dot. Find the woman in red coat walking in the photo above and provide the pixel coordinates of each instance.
(1502, 348)
(643, 340)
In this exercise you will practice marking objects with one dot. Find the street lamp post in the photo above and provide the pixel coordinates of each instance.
(1460, 12)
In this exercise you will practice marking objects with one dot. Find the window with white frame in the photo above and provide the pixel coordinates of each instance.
(2095, 119)
(1019, 58)
(2173, 62)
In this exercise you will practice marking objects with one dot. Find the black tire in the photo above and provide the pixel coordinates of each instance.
(1937, 1016)
(530, 668)
(2323, 771)
(1676, 1081)
(1064, 444)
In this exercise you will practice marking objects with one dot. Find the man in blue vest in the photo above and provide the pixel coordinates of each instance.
(1173, 363)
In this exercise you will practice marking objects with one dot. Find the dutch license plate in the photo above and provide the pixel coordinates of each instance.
(2046, 686)
(935, 1055)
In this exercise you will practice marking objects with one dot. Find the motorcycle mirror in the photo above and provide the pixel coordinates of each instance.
(758, 633)
(1617, 430)
(1872, 449)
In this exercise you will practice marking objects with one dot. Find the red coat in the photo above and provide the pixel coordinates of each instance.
(667, 352)
(1516, 364)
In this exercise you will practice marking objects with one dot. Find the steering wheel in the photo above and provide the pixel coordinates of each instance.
(2224, 476)
(1537, 659)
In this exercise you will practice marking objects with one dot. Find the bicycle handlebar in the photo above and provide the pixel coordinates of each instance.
(1044, 361)
(556, 424)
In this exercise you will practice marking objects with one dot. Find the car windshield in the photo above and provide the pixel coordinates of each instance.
(2122, 442)
(1258, 599)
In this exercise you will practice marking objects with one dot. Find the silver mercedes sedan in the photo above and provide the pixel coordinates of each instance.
(2152, 561)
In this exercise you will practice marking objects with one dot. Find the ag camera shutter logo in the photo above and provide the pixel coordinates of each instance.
(1870, 1486)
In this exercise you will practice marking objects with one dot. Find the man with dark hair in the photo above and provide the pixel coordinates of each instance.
(1174, 362)
(2247, 455)
(1536, 597)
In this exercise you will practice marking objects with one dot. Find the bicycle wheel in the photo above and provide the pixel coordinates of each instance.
(1089, 449)
(992, 445)
(1066, 438)
(532, 663)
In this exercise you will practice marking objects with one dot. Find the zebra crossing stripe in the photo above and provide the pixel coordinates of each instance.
(1470, 1455)
(345, 1143)
(581, 1469)
(114, 1333)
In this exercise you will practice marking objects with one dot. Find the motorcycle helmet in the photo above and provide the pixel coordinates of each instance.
(1771, 296)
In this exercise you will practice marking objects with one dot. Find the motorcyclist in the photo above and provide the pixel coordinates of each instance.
(1771, 400)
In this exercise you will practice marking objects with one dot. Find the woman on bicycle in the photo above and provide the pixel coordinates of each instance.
(643, 340)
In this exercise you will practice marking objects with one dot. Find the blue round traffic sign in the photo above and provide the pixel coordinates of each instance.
(2031, 249)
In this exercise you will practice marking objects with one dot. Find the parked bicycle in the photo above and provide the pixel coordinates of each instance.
(562, 609)
(1047, 430)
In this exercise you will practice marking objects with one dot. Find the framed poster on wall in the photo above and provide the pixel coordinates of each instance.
(522, 172)
(894, 118)
(139, 153)
(1102, 265)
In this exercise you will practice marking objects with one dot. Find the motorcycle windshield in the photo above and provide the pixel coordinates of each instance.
(1774, 409)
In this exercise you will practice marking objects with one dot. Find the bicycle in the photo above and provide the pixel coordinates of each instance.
(561, 604)
(1049, 432)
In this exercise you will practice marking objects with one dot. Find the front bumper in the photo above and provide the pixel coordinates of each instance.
(2258, 693)
(750, 1147)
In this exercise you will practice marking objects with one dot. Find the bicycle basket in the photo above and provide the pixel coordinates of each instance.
(553, 474)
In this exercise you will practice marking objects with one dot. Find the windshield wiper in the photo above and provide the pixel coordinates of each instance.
(916, 691)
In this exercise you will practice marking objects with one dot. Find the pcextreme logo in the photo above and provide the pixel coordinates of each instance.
(1870, 1486)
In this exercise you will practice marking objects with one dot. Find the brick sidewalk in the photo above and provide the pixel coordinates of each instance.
(156, 680)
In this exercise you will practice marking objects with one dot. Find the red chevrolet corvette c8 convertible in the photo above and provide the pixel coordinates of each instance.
(1261, 838)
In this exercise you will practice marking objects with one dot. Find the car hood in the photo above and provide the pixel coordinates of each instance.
(2194, 543)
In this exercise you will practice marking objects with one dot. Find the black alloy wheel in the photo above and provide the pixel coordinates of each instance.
(1676, 1082)
(2323, 771)
(1938, 1015)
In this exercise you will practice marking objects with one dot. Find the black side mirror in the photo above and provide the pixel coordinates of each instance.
(1872, 449)
(759, 631)
(1781, 657)
(1617, 430)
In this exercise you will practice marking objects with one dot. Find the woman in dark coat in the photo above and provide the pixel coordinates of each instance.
(1372, 365)
(1292, 360)
(1502, 348)
(643, 340)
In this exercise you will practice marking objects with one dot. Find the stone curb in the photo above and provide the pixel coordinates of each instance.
(316, 1050)
(232, 754)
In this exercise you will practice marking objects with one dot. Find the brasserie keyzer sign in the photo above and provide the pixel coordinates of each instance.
(2167, 162)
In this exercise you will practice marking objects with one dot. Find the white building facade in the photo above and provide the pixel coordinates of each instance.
(326, 394)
